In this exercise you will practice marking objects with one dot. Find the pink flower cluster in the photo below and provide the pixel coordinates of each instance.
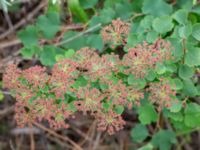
(161, 93)
(93, 84)
(116, 33)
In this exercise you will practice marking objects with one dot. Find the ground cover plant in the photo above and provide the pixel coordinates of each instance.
(117, 56)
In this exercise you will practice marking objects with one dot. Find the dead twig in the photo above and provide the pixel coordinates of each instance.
(84, 135)
(58, 141)
(9, 43)
(58, 135)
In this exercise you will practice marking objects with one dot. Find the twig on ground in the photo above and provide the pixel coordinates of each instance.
(61, 143)
(81, 133)
(65, 138)
(9, 43)
(88, 133)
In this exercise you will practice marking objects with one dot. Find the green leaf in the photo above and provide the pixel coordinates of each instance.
(147, 22)
(147, 114)
(160, 68)
(171, 66)
(178, 49)
(185, 4)
(131, 79)
(59, 57)
(88, 3)
(156, 7)
(29, 36)
(189, 89)
(134, 39)
(181, 16)
(192, 57)
(95, 41)
(175, 106)
(178, 116)
(163, 24)
(111, 3)
(123, 10)
(137, 83)
(185, 31)
(28, 52)
(152, 36)
(164, 139)
(73, 40)
(107, 15)
(148, 146)
(47, 56)
(80, 82)
(49, 24)
(192, 115)
(196, 31)
(119, 109)
(71, 107)
(106, 105)
(69, 53)
(139, 133)
(176, 84)
(77, 10)
(185, 72)
(196, 9)
(94, 21)
(151, 75)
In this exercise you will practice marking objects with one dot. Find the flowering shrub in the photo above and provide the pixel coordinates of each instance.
(101, 86)
(139, 72)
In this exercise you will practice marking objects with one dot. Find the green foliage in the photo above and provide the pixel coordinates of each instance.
(48, 24)
(196, 31)
(29, 36)
(147, 114)
(192, 57)
(185, 72)
(181, 16)
(163, 24)
(119, 109)
(192, 115)
(156, 7)
(164, 139)
(139, 133)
